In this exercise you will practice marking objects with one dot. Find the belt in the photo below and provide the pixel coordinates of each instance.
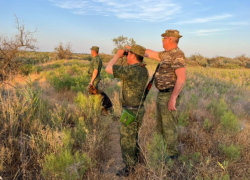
(166, 90)
(133, 107)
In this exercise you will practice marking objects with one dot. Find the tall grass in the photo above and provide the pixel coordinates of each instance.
(43, 139)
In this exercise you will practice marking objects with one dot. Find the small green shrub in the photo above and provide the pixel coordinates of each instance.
(65, 164)
(232, 152)
(27, 69)
(183, 119)
(65, 81)
(229, 122)
(91, 106)
(157, 151)
(53, 66)
(88, 57)
(207, 125)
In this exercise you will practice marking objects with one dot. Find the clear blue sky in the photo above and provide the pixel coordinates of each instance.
(209, 27)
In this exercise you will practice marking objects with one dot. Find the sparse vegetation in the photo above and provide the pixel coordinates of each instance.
(52, 128)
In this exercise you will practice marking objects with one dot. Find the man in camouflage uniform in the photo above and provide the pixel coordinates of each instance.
(95, 67)
(169, 80)
(134, 78)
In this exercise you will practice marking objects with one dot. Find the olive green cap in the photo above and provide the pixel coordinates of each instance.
(95, 48)
(137, 49)
(172, 33)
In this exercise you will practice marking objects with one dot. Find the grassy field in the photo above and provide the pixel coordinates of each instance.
(53, 129)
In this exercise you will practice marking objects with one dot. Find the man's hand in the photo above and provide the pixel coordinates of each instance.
(120, 53)
(109, 67)
(171, 104)
(128, 47)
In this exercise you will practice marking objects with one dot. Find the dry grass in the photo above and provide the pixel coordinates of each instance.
(31, 133)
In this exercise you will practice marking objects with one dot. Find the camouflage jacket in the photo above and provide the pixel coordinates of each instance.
(96, 63)
(170, 61)
(134, 80)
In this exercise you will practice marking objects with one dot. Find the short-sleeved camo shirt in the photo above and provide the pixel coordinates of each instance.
(96, 63)
(134, 80)
(170, 61)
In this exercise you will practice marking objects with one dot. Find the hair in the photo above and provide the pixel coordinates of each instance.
(138, 57)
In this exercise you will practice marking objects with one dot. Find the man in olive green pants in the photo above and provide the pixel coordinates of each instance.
(95, 67)
(134, 78)
(169, 80)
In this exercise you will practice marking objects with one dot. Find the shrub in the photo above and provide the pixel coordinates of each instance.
(157, 152)
(27, 69)
(88, 57)
(65, 81)
(183, 119)
(232, 152)
(207, 125)
(65, 164)
(91, 105)
(53, 66)
(63, 52)
(229, 122)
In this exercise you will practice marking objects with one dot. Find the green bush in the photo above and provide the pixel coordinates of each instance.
(183, 119)
(65, 81)
(53, 66)
(65, 164)
(88, 57)
(28, 69)
(232, 152)
(91, 106)
(229, 122)
(207, 125)
(157, 152)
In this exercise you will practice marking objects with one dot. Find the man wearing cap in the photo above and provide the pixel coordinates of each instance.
(95, 67)
(134, 78)
(169, 80)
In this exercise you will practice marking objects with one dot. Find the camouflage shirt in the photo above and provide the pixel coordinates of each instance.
(170, 61)
(96, 63)
(134, 80)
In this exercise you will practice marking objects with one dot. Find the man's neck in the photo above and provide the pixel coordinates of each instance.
(134, 62)
(95, 55)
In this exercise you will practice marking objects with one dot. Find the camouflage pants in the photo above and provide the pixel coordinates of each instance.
(129, 138)
(96, 82)
(166, 122)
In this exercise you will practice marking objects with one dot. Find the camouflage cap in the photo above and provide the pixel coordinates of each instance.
(95, 48)
(137, 49)
(172, 33)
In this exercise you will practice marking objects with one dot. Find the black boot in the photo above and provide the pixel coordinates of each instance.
(125, 171)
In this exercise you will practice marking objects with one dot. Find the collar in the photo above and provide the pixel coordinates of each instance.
(138, 64)
(172, 51)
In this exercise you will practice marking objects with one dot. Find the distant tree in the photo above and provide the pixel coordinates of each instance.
(10, 47)
(63, 52)
(120, 42)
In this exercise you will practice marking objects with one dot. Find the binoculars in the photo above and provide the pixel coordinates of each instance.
(125, 53)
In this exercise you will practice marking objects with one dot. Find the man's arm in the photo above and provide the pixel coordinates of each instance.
(95, 72)
(109, 67)
(149, 53)
(181, 78)
(152, 54)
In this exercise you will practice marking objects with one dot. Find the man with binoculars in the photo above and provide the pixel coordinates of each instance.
(134, 78)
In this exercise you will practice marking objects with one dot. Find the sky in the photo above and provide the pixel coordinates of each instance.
(209, 27)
